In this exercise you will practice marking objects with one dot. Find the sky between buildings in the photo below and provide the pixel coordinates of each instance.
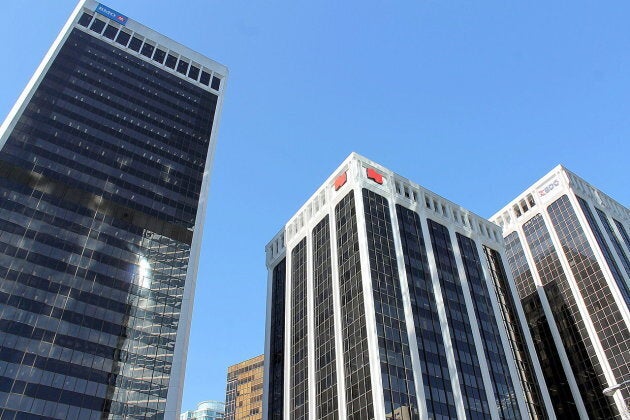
(474, 100)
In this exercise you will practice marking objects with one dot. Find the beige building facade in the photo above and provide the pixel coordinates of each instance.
(245, 390)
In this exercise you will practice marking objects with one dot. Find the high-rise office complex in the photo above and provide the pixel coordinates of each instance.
(104, 174)
(244, 394)
(386, 301)
(568, 247)
(206, 410)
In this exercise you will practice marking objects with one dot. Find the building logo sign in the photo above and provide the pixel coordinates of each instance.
(111, 13)
(341, 180)
(374, 176)
(548, 188)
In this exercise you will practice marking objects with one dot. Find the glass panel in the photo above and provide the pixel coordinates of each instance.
(123, 38)
(325, 369)
(110, 32)
(97, 25)
(85, 19)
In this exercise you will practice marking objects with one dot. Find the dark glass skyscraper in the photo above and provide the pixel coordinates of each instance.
(387, 301)
(567, 245)
(104, 173)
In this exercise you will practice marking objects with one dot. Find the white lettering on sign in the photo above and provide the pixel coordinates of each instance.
(548, 188)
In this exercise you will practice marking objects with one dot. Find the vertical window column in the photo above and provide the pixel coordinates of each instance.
(396, 370)
(596, 293)
(356, 357)
(516, 335)
(299, 334)
(276, 343)
(325, 361)
(469, 372)
(504, 394)
(430, 340)
(615, 242)
(575, 338)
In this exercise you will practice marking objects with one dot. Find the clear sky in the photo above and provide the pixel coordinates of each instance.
(474, 100)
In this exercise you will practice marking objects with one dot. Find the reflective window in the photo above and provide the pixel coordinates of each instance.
(359, 404)
(596, 294)
(325, 369)
(462, 341)
(518, 345)
(299, 334)
(517, 261)
(100, 181)
(276, 343)
(575, 338)
(504, 393)
(431, 348)
(396, 370)
(608, 255)
(623, 232)
(555, 378)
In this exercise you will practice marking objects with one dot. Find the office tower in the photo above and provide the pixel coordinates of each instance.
(386, 301)
(206, 410)
(567, 245)
(243, 398)
(104, 173)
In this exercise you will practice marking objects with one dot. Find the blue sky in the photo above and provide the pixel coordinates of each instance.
(473, 100)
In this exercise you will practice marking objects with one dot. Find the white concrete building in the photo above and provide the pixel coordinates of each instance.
(387, 301)
(568, 248)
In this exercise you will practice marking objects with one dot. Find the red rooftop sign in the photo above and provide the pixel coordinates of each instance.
(341, 180)
(374, 176)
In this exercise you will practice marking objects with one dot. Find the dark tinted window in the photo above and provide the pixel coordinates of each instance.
(391, 326)
(182, 67)
(171, 60)
(123, 38)
(135, 44)
(325, 368)
(205, 78)
(432, 352)
(467, 362)
(216, 83)
(97, 25)
(193, 73)
(159, 55)
(358, 386)
(110, 32)
(299, 376)
(85, 19)
(147, 50)
(276, 345)
(568, 318)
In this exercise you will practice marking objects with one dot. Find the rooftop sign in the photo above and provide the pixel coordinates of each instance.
(374, 176)
(111, 13)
